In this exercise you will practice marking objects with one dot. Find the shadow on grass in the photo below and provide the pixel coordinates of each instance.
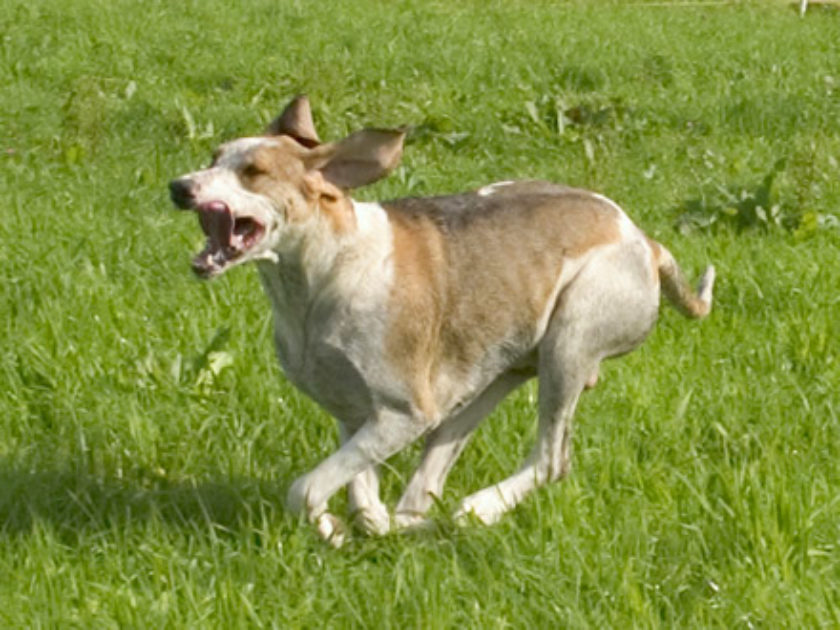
(76, 503)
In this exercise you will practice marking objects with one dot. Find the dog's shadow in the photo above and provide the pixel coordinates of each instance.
(74, 502)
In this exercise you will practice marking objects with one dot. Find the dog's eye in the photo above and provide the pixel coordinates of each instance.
(252, 170)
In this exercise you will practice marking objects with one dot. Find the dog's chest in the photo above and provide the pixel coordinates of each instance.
(331, 377)
(332, 351)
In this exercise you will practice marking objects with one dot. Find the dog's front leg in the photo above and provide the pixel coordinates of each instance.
(366, 507)
(375, 441)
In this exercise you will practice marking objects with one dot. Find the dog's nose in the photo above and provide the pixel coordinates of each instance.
(182, 192)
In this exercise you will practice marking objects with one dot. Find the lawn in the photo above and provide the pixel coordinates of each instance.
(147, 435)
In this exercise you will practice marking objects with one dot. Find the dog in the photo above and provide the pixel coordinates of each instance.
(416, 317)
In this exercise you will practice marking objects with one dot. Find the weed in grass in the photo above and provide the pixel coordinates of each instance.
(741, 207)
(758, 206)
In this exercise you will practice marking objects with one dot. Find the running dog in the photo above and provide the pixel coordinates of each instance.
(416, 317)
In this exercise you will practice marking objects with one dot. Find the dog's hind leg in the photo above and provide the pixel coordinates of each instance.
(607, 310)
(549, 459)
(443, 446)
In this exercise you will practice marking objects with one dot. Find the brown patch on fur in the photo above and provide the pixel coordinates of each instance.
(278, 170)
(675, 287)
(332, 201)
(474, 274)
(656, 255)
(416, 304)
(275, 171)
(281, 160)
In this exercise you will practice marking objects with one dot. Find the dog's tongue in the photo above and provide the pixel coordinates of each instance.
(217, 223)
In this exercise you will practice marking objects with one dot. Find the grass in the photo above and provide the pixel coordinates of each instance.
(147, 435)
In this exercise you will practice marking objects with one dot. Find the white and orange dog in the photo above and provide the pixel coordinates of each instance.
(416, 317)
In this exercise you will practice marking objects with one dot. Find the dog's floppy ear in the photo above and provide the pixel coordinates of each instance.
(296, 122)
(361, 158)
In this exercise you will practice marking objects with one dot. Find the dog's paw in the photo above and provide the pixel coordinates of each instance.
(373, 521)
(331, 529)
(411, 521)
(485, 506)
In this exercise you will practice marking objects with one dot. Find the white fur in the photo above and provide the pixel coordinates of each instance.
(371, 217)
(488, 190)
(355, 270)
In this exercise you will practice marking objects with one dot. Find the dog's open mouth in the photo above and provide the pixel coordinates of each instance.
(228, 238)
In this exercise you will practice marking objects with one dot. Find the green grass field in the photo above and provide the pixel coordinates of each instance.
(147, 435)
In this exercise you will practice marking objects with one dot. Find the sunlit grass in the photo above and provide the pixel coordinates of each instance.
(141, 484)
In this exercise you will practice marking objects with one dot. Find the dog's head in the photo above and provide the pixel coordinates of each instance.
(260, 193)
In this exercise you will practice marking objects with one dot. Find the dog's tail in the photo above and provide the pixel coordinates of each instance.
(694, 304)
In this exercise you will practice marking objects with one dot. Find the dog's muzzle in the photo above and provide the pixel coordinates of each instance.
(229, 237)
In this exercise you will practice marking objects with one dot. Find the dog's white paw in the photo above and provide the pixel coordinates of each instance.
(411, 521)
(486, 506)
(331, 529)
(375, 521)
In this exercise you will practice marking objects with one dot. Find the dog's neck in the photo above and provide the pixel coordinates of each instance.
(315, 264)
